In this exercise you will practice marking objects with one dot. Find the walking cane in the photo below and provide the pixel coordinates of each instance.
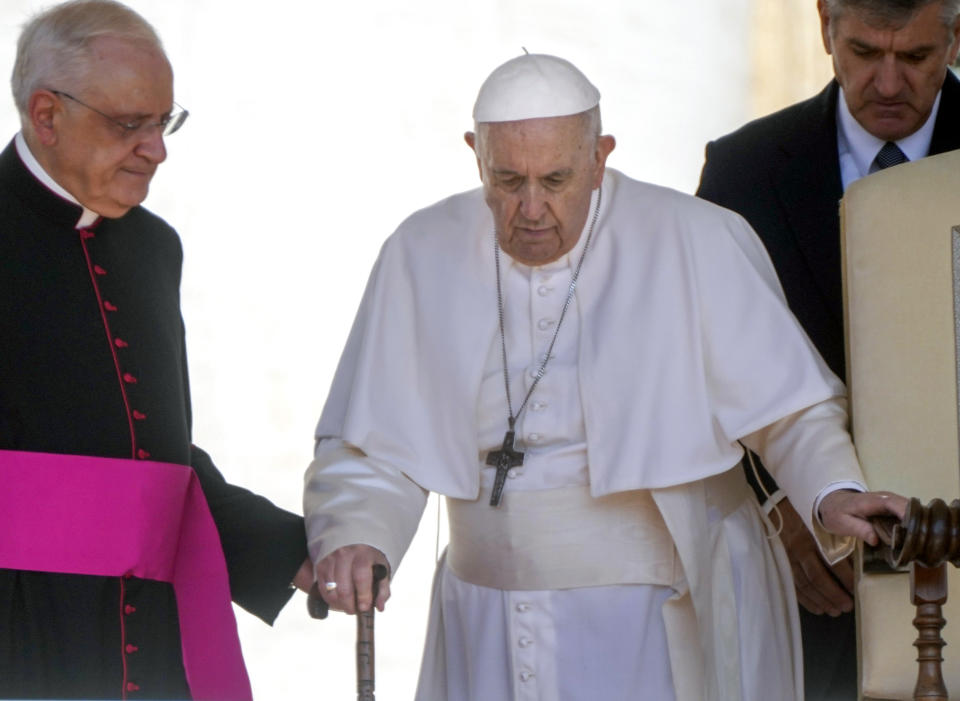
(318, 608)
(365, 662)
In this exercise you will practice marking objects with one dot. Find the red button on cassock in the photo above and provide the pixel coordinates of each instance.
(139, 416)
(98, 270)
(129, 379)
(131, 649)
(109, 307)
(142, 454)
(119, 342)
(132, 687)
(128, 609)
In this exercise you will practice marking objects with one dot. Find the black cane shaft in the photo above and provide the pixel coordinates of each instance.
(365, 647)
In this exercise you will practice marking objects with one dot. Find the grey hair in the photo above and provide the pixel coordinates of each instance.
(54, 47)
(895, 13)
(592, 126)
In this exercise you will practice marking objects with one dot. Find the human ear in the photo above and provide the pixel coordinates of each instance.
(471, 140)
(824, 13)
(605, 144)
(41, 111)
(955, 45)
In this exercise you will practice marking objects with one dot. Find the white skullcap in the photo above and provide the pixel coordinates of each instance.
(534, 86)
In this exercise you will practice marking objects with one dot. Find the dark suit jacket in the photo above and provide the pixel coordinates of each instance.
(782, 173)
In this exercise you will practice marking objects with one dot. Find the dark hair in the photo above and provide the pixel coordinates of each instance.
(894, 12)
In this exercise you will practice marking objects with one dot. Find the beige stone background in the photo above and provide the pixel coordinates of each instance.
(315, 129)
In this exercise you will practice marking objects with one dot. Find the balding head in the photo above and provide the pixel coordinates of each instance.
(55, 46)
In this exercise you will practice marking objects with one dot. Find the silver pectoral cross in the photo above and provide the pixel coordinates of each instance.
(503, 460)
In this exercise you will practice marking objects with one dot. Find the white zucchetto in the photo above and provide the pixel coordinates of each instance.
(534, 86)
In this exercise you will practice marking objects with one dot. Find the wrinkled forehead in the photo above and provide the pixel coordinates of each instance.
(569, 134)
(540, 145)
(113, 62)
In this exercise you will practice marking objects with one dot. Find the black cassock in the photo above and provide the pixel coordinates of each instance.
(92, 362)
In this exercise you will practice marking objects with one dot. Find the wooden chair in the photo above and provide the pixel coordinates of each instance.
(901, 281)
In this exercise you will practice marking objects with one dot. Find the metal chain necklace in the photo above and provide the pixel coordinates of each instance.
(507, 457)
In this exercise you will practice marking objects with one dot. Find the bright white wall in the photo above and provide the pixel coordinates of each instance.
(314, 129)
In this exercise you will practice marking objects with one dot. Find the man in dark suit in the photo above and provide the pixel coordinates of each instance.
(893, 99)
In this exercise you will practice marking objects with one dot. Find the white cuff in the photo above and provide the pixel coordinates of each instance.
(830, 489)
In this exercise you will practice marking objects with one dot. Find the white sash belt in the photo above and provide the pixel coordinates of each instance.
(560, 539)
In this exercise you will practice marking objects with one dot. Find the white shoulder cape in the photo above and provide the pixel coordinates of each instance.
(687, 343)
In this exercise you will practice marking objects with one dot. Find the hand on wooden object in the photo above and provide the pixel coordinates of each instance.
(846, 512)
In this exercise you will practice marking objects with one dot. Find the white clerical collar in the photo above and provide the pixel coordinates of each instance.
(87, 217)
(860, 147)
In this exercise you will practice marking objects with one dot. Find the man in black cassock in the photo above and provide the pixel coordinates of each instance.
(92, 357)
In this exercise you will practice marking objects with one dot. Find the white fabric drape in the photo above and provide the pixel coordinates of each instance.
(685, 334)
(679, 343)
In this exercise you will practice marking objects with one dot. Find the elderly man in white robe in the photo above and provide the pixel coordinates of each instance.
(574, 359)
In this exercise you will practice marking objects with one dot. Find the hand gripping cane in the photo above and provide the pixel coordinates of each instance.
(365, 649)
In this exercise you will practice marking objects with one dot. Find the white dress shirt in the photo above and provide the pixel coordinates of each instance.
(858, 148)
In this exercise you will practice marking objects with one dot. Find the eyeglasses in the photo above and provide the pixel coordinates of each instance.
(167, 125)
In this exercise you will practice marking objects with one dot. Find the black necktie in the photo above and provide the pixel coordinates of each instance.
(890, 155)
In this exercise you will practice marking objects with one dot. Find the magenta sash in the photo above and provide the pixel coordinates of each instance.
(111, 517)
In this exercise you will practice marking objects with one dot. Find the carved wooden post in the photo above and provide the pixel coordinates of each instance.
(926, 539)
(928, 591)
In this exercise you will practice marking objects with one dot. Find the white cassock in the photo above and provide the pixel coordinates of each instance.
(628, 559)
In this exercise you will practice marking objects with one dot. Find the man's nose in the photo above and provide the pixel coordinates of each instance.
(151, 146)
(533, 203)
(888, 79)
